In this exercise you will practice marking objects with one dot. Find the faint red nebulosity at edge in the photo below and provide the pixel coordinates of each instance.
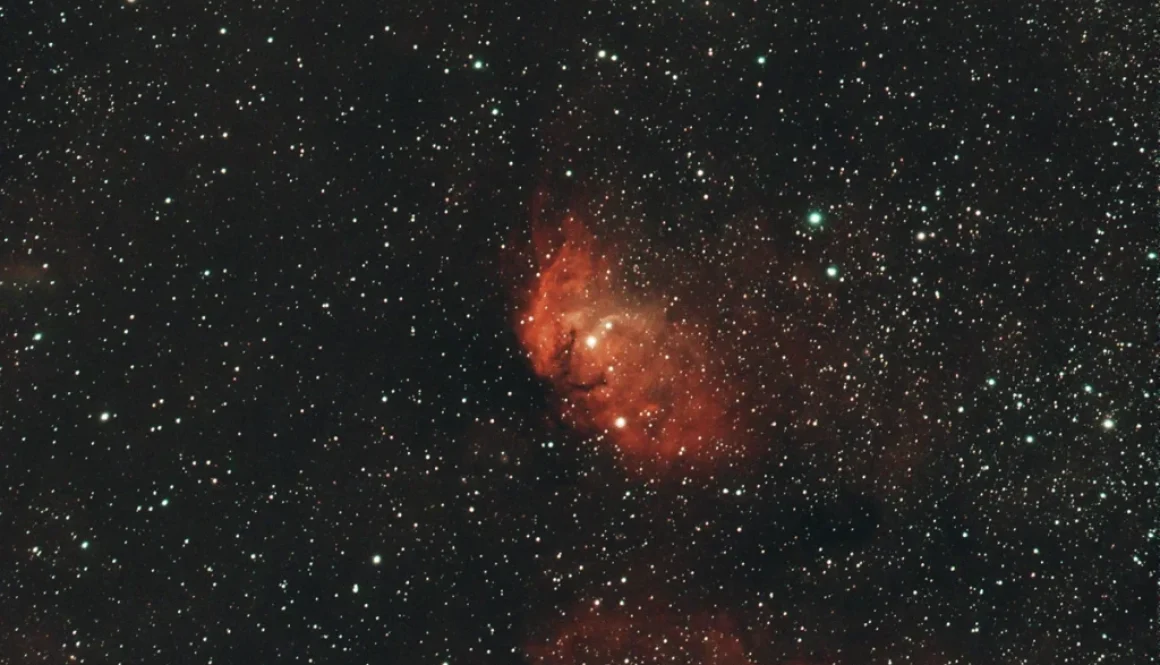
(653, 637)
(618, 367)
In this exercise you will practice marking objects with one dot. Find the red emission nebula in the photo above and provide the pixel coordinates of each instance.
(658, 638)
(618, 368)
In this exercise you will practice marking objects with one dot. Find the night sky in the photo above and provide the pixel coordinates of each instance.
(584, 333)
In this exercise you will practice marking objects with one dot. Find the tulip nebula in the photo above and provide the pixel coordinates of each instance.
(618, 367)
(579, 333)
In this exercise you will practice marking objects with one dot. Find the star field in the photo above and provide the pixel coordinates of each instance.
(712, 333)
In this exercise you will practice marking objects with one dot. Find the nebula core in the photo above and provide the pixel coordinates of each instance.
(618, 368)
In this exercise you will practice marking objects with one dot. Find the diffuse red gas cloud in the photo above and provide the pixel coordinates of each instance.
(647, 637)
(617, 366)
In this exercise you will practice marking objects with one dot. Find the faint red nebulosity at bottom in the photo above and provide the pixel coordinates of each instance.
(653, 637)
(618, 367)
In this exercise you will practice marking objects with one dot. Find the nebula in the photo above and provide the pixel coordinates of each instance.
(618, 368)
(18, 274)
(655, 636)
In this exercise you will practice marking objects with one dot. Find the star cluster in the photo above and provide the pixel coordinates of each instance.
(537, 333)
